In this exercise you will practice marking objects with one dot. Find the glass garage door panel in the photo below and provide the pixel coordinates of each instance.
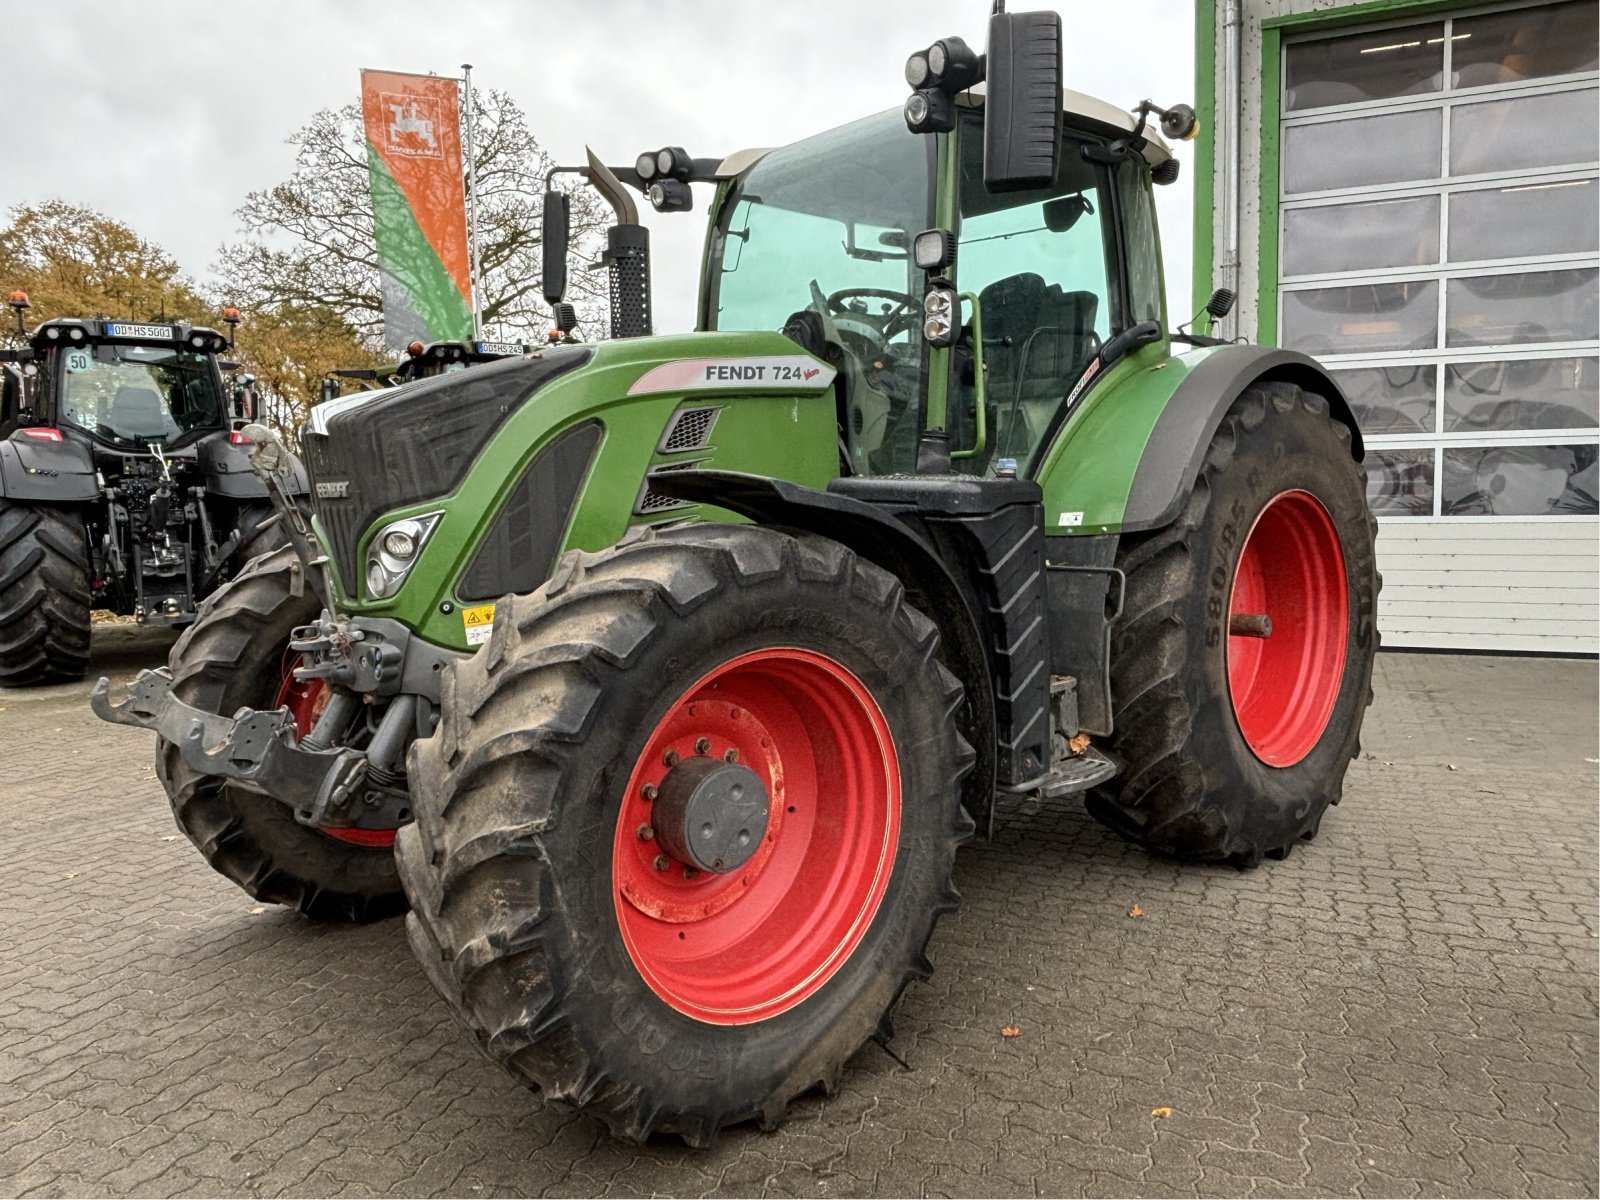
(1524, 43)
(1399, 482)
(1357, 237)
(1519, 481)
(1365, 66)
(1362, 151)
(1364, 317)
(1530, 393)
(1391, 399)
(1524, 220)
(1539, 306)
(1549, 130)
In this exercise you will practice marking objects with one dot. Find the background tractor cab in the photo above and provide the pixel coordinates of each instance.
(125, 434)
(422, 362)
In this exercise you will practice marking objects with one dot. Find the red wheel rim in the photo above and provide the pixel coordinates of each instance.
(305, 699)
(738, 947)
(1283, 685)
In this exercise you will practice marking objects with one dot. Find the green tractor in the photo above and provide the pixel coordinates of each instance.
(662, 677)
(422, 361)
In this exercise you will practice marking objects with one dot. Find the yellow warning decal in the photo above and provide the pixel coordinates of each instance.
(477, 621)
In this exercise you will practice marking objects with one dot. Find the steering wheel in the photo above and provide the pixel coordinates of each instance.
(902, 316)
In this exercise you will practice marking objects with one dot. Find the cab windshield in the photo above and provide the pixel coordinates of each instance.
(825, 227)
(136, 395)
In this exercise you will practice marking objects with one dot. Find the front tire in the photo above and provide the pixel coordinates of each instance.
(575, 940)
(44, 595)
(1235, 744)
(234, 656)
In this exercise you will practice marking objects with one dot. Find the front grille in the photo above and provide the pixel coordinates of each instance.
(416, 443)
(689, 429)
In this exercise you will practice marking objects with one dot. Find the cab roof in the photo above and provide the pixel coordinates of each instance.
(1077, 107)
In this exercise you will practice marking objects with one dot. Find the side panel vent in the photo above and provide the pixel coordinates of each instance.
(649, 503)
(689, 429)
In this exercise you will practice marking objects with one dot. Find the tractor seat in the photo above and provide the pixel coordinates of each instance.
(1037, 337)
(137, 412)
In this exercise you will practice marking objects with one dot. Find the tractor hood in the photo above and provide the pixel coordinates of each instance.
(496, 470)
(377, 451)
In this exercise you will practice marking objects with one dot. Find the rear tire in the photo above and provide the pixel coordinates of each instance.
(682, 1002)
(1233, 765)
(44, 595)
(233, 657)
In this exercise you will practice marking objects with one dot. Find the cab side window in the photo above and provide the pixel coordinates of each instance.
(1043, 265)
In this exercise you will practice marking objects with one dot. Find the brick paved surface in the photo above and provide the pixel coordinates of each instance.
(1406, 1008)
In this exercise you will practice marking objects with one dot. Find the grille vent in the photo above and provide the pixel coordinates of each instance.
(689, 429)
(649, 503)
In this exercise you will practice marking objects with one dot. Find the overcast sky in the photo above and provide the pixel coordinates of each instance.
(165, 114)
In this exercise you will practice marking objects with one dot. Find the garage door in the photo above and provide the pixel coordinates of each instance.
(1439, 213)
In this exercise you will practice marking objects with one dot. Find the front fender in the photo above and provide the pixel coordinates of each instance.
(41, 472)
(1127, 460)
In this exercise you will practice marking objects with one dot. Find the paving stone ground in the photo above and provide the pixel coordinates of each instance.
(1405, 1007)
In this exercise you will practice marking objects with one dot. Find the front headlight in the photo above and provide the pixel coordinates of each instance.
(393, 552)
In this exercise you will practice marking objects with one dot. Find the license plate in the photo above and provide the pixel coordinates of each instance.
(164, 333)
(506, 348)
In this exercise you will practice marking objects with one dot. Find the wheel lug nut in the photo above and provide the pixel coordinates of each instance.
(702, 745)
(662, 862)
(670, 758)
(648, 791)
(690, 872)
(730, 755)
(646, 832)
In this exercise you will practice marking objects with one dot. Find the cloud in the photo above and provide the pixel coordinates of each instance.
(165, 115)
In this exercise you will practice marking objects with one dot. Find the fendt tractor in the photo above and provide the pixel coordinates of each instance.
(421, 361)
(675, 669)
(125, 483)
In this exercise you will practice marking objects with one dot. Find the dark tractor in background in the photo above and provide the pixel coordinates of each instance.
(124, 484)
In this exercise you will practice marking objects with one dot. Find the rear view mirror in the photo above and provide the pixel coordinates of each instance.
(1022, 110)
(557, 218)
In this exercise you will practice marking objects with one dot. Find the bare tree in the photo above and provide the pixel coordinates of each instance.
(308, 241)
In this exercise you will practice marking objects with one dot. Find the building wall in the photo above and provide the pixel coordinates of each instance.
(1475, 582)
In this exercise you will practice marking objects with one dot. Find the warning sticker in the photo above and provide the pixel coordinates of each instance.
(478, 621)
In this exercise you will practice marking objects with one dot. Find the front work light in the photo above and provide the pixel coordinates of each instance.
(394, 551)
(930, 111)
(934, 249)
(941, 316)
(671, 195)
(952, 65)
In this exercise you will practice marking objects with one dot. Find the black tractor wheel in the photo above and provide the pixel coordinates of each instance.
(1242, 666)
(687, 824)
(236, 655)
(44, 595)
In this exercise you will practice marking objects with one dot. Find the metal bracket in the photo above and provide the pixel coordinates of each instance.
(254, 749)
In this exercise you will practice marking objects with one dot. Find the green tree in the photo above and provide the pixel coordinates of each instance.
(76, 262)
(308, 241)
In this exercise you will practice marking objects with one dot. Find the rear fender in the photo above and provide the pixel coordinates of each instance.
(226, 468)
(1127, 460)
(40, 472)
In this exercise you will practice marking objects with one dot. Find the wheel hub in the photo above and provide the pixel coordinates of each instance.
(711, 814)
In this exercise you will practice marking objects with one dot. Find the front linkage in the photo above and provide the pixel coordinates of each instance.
(348, 663)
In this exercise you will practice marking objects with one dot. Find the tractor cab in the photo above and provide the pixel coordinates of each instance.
(127, 432)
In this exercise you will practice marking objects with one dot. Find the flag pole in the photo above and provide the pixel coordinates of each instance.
(472, 209)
